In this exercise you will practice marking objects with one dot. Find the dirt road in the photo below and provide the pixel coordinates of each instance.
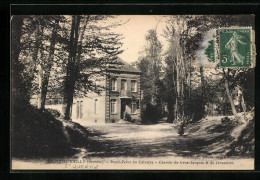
(131, 140)
(208, 138)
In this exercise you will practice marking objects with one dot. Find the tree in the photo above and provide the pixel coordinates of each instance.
(176, 34)
(170, 91)
(71, 66)
(22, 75)
(91, 47)
(150, 64)
(205, 23)
(38, 47)
(226, 76)
(184, 34)
(18, 91)
(45, 67)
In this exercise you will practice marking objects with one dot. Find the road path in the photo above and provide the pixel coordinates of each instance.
(131, 140)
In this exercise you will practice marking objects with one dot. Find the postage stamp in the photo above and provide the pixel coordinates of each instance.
(235, 47)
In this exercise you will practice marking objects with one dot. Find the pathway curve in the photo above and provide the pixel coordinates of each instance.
(131, 140)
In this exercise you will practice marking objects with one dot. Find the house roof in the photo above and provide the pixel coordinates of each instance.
(122, 66)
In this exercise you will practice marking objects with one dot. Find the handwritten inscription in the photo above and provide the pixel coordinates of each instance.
(97, 164)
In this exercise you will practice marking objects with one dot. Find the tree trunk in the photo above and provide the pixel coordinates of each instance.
(230, 98)
(44, 92)
(71, 70)
(243, 102)
(202, 82)
(226, 76)
(35, 50)
(177, 114)
(176, 109)
(170, 107)
(44, 87)
(45, 76)
(34, 61)
(40, 74)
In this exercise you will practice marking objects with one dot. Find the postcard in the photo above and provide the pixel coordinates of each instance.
(132, 92)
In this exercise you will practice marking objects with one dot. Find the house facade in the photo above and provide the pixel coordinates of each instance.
(119, 99)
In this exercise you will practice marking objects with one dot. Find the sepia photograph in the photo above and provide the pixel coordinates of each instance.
(132, 92)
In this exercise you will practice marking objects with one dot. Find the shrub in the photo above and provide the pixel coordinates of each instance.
(225, 121)
(195, 110)
(54, 112)
(37, 134)
(245, 144)
(151, 114)
(128, 117)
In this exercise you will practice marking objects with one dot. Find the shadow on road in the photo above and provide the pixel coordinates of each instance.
(158, 140)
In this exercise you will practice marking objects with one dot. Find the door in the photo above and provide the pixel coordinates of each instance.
(123, 104)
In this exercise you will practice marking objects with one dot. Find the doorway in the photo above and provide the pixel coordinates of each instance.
(79, 113)
(123, 106)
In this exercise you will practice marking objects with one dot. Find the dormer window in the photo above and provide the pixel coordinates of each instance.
(133, 86)
(113, 84)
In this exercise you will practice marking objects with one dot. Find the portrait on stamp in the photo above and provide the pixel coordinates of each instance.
(235, 47)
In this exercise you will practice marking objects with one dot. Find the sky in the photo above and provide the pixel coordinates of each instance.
(134, 32)
(200, 55)
(136, 28)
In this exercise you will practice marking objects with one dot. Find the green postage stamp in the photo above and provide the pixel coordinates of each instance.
(235, 47)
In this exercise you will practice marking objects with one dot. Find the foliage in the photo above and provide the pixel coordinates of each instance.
(195, 109)
(36, 55)
(41, 46)
(178, 63)
(128, 117)
(21, 82)
(169, 94)
(245, 80)
(245, 144)
(91, 48)
(43, 50)
(150, 64)
(151, 114)
(37, 134)
(55, 113)
(98, 46)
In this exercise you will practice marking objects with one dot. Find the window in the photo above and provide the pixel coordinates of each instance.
(79, 113)
(95, 106)
(133, 107)
(113, 84)
(113, 106)
(123, 85)
(133, 86)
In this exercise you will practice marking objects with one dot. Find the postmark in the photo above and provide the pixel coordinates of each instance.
(235, 47)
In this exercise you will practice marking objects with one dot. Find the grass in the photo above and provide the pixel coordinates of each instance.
(209, 137)
(37, 134)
